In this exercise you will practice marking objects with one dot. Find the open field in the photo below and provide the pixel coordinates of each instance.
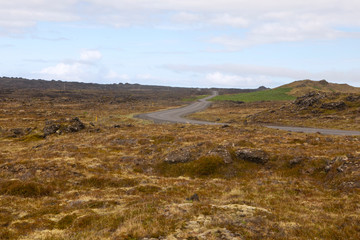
(101, 174)
(277, 94)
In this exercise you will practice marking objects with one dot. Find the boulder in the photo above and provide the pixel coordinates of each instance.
(334, 106)
(309, 99)
(75, 125)
(181, 155)
(50, 128)
(252, 155)
(222, 152)
(63, 125)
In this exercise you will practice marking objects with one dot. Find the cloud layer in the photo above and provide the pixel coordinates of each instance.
(263, 21)
(214, 35)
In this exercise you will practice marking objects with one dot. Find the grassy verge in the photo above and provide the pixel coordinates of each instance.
(277, 94)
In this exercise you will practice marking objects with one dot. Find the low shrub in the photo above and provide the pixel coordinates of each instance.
(24, 189)
(100, 182)
(205, 166)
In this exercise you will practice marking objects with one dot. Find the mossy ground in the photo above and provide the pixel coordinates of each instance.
(108, 182)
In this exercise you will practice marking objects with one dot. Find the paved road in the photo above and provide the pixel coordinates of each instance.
(317, 130)
(177, 115)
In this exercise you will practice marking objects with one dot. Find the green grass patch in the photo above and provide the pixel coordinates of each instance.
(277, 94)
(211, 166)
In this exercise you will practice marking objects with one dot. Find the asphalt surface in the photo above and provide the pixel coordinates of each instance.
(317, 130)
(177, 115)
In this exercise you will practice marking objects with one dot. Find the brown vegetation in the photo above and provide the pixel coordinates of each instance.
(114, 179)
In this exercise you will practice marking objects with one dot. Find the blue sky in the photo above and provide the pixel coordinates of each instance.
(198, 43)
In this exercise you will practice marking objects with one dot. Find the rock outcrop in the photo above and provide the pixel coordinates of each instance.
(63, 125)
(252, 155)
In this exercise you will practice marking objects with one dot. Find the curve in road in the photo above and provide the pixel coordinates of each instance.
(176, 115)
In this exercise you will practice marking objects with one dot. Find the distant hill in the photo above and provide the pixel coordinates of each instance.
(11, 84)
(20, 88)
(302, 87)
(289, 91)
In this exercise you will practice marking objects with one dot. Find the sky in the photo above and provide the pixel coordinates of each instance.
(188, 43)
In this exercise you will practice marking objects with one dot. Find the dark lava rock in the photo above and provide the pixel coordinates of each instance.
(353, 98)
(237, 102)
(50, 128)
(75, 125)
(252, 155)
(309, 99)
(59, 126)
(19, 132)
(181, 155)
(194, 197)
(334, 106)
(222, 152)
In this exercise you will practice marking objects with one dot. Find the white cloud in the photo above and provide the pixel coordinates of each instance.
(186, 17)
(90, 55)
(229, 20)
(86, 68)
(63, 70)
(265, 21)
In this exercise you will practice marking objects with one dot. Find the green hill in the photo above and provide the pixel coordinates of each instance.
(289, 91)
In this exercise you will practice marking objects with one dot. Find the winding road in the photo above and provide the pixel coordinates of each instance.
(177, 115)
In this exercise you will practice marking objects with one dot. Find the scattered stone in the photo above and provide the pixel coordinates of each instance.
(116, 126)
(19, 132)
(60, 126)
(353, 98)
(334, 106)
(327, 168)
(252, 155)
(225, 126)
(181, 155)
(237, 102)
(75, 125)
(222, 152)
(193, 198)
(50, 128)
(295, 161)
